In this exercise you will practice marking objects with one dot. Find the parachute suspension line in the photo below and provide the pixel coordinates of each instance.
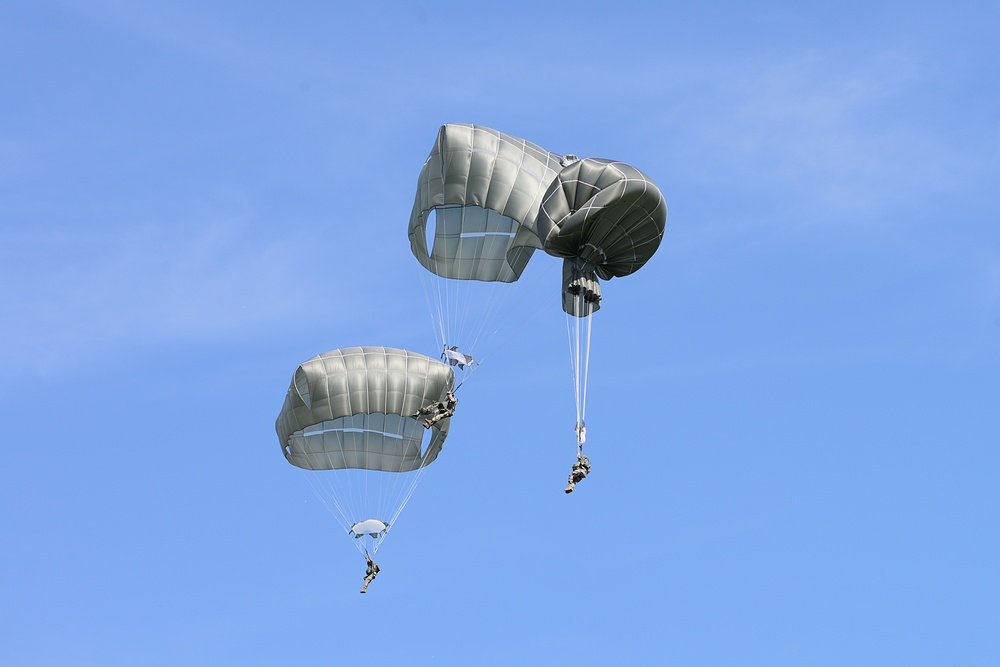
(349, 497)
(337, 510)
(481, 301)
(586, 363)
(478, 317)
(530, 287)
(402, 491)
(328, 495)
(466, 313)
(578, 330)
(499, 319)
(435, 308)
(417, 475)
(349, 500)
(394, 492)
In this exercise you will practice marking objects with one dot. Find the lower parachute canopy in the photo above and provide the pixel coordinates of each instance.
(355, 412)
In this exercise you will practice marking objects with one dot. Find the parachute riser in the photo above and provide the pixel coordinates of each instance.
(581, 292)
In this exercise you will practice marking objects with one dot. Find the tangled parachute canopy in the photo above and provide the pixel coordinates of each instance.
(484, 188)
(606, 219)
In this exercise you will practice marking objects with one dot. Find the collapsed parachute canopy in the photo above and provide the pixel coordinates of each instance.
(356, 407)
(484, 188)
(606, 219)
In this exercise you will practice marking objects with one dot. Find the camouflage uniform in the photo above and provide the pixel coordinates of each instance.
(370, 573)
(580, 470)
(442, 410)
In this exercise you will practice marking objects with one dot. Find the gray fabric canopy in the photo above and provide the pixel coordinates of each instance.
(606, 219)
(355, 407)
(484, 187)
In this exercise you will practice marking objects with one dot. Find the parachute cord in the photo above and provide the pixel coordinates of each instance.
(395, 499)
(573, 335)
(449, 301)
(534, 284)
(586, 365)
(346, 523)
(572, 363)
(578, 330)
(469, 313)
(401, 495)
(343, 493)
(435, 307)
(409, 493)
(489, 340)
(337, 510)
(401, 505)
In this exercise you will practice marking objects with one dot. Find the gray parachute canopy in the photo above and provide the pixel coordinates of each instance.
(356, 408)
(484, 188)
(606, 219)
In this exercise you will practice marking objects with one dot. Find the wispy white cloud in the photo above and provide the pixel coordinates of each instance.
(13, 158)
(836, 137)
(72, 295)
(248, 48)
(193, 33)
(840, 142)
(840, 135)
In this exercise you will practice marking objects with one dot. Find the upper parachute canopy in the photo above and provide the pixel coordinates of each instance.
(484, 188)
(356, 408)
(606, 219)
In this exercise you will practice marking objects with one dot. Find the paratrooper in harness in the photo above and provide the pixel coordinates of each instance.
(370, 572)
(581, 467)
(435, 412)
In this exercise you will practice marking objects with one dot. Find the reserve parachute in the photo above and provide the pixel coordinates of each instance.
(357, 416)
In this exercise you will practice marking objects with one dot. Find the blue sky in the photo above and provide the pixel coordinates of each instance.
(793, 408)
